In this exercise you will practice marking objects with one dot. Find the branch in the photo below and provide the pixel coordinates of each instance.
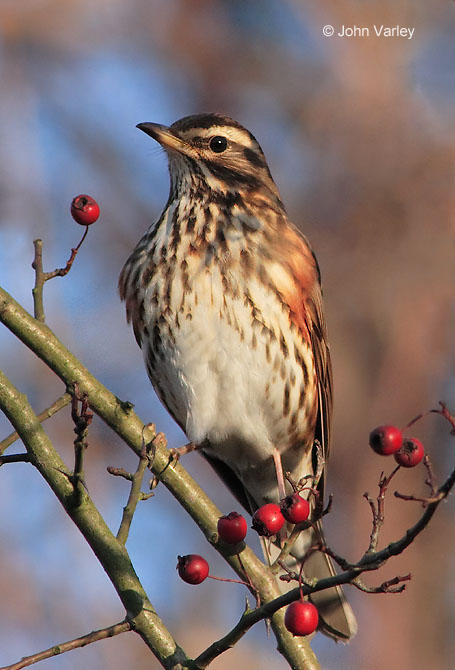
(110, 552)
(122, 419)
(390, 586)
(42, 277)
(77, 643)
(15, 458)
(370, 561)
(42, 416)
(82, 419)
(430, 481)
(377, 509)
(394, 548)
(135, 494)
(444, 412)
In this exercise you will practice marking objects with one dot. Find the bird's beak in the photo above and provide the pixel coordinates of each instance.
(163, 135)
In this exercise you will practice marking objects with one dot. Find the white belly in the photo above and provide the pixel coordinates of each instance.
(223, 374)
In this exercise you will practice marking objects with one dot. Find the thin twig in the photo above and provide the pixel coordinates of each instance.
(287, 546)
(430, 481)
(15, 458)
(377, 508)
(77, 643)
(390, 586)
(42, 277)
(225, 579)
(61, 272)
(443, 412)
(423, 500)
(318, 513)
(82, 419)
(120, 472)
(45, 414)
(135, 491)
(396, 548)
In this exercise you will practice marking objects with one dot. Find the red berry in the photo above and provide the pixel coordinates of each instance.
(232, 528)
(411, 453)
(84, 210)
(268, 520)
(193, 569)
(386, 440)
(295, 509)
(301, 618)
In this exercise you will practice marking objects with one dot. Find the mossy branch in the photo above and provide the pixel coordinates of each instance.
(109, 551)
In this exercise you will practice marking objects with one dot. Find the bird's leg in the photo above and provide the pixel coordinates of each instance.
(176, 452)
(279, 473)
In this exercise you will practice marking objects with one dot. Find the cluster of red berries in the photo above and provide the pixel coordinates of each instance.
(269, 519)
(301, 617)
(407, 451)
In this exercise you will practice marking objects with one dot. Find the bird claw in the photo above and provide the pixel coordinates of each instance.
(177, 452)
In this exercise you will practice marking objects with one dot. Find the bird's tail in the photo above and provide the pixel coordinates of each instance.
(336, 618)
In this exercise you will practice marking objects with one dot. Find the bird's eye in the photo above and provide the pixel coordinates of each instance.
(218, 144)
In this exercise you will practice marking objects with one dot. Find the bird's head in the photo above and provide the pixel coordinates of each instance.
(214, 151)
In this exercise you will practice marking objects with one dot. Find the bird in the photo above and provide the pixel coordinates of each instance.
(224, 296)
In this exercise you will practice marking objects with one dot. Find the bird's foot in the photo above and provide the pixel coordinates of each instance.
(177, 452)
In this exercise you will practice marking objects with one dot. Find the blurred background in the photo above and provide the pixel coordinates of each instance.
(358, 134)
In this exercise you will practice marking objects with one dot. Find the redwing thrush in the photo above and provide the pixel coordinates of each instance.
(224, 296)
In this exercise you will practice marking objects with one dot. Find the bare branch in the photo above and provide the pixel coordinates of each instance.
(377, 508)
(111, 554)
(430, 481)
(120, 472)
(42, 277)
(61, 272)
(42, 416)
(15, 458)
(443, 412)
(424, 501)
(390, 586)
(77, 643)
(395, 548)
(135, 492)
(82, 419)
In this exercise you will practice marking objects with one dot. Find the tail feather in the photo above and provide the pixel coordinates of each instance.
(336, 618)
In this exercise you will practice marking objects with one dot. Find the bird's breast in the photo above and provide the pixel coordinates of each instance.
(225, 358)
